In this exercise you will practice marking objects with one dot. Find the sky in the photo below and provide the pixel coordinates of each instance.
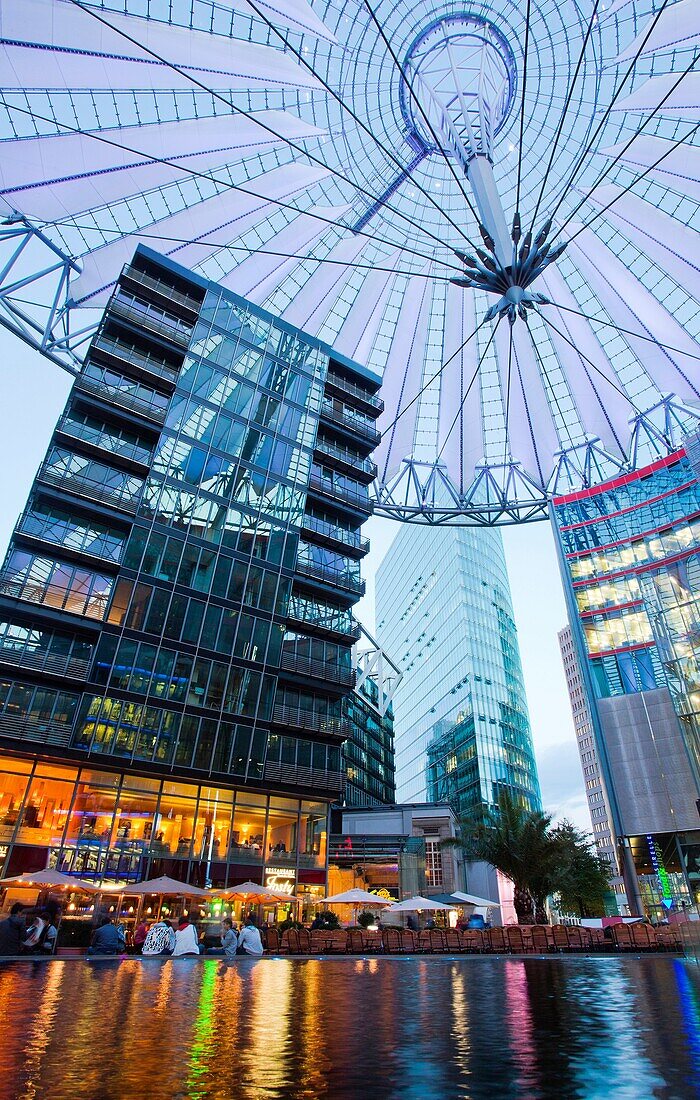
(32, 394)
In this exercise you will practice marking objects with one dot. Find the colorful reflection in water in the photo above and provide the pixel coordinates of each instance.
(284, 1029)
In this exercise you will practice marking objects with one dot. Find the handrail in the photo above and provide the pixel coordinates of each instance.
(320, 670)
(343, 454)
(160, 287)
(353, 421)
(311, 720)
(135, 452)
(332, 531)
(171, 329)
(356, 391)
(129, 354)
(331, 576)
(93, 490)
(335, 492)
(73, 667)
(117, 396)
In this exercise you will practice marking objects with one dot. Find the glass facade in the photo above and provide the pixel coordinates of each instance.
(630, 552)
(461, 723)
(106, 825)
(160, 607)
(369, 750)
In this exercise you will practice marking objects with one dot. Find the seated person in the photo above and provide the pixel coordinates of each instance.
(160, 939)
(249, 941)
(229, 940)
(106, 939)
(186, 940)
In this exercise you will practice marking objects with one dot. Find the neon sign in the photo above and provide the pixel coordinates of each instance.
(280, 879)
(661, 873)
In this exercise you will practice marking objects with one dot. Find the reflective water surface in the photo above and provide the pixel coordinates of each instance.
(345, 1028)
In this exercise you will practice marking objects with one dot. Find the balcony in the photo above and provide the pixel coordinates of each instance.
(331, 577)
(318, 670)
(90, 490)
(328, 534)
(109, 445)
(115, 395)
(164, 290)
(160, 323)
(35, 729)
(340, 493)
(311, 720)
(72, 667)
(362, 468)
(55, 598)
(308, 778)
(352, 422)
(343, 386)
(334, 625)
(130, 355)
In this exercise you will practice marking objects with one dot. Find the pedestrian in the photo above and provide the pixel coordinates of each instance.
(140, 936)
(106, 939)
(186, 941)
(160, 940)
(412, 922)
(229, 940)
(249, 941)
(12, 931)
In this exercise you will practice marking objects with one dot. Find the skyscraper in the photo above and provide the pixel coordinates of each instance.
(630, 557)
(176, 600)
(444, 612)
(596, 794)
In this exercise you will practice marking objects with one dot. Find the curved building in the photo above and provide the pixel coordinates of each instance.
(444, 611)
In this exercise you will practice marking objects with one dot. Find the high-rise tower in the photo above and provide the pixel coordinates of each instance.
(176, 603)
(444, 612)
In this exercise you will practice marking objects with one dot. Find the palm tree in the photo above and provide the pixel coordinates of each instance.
(518, 843)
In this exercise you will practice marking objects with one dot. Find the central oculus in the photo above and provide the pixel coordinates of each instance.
(463, 74)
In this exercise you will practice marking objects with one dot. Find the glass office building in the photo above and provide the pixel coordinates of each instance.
(176, 601)
(444, 612)
(630, 556)
(369, 749)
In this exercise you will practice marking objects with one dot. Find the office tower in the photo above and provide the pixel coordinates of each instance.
(461, 725)
(596, 796)
(176, 600)
(368, 751)
(630, 558)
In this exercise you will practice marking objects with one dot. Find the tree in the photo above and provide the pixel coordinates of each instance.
(517, 842)
(583, 877)
(539, 860)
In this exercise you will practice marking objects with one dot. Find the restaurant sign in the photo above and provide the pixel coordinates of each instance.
(281, 879)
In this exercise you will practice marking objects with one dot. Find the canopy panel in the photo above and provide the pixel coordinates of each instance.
(341, 164)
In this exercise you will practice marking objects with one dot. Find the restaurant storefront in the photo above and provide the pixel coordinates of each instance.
(118, 828)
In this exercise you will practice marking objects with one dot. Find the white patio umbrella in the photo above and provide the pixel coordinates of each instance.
(356, 898)
(49, 880)
(417, 905)
(473, 899)
(254, 892)
(165, 885)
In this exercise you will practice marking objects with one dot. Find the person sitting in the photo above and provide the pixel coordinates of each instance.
(12, 931)
(160, 939)
(186, 941)
(140, 936)
(48, 943)
(106, 939)
(249, 941)
(35, 935)
(229, 940)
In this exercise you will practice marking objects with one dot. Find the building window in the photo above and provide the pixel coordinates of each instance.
(433, 862)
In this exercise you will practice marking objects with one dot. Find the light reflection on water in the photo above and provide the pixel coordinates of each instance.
(383, 1028)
